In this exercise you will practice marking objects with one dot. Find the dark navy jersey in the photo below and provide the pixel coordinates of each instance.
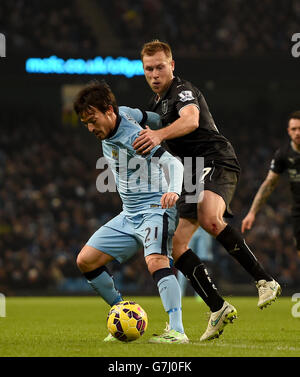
(205, 141)
(286, 159)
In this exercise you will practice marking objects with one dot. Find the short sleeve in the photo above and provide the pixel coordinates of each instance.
(186, 95)
(278, 163)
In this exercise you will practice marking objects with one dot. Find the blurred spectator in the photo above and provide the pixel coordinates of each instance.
(48, 26)
(207, 27)
(193, 28)
(49, 205)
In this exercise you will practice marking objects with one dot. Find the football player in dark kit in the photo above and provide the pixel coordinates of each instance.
(188, 130)
(286, 158)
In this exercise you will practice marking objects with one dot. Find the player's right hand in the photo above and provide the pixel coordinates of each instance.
(147, 140)
(248, 222)
(169, 199)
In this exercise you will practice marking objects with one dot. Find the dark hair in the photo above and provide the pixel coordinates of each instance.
(97, 94)
(294, 115)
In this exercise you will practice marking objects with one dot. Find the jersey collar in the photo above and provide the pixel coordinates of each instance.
(114, 131)
(158, 98)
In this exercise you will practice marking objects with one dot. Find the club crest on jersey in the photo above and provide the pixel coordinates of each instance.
(114, 154)
(164, 106)
(186, 95)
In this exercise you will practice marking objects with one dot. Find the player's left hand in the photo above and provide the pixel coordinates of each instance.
(147, 140)
(169, 199)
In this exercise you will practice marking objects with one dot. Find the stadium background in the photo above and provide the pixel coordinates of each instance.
(237, 52)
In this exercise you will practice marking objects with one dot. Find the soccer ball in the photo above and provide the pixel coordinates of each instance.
(127, 321)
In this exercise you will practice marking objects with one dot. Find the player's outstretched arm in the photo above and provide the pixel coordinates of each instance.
(147, 140)
(185, 124)
(260, 198)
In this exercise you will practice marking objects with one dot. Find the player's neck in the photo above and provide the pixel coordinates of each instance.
(295, 147)
(159, 96)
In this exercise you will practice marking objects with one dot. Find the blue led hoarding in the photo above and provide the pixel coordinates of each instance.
(95, 66)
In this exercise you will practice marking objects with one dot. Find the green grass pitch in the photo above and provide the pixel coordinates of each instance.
(76, 326)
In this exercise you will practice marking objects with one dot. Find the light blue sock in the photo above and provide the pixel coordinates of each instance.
(104, 285)
(182, 282)
(169, 291)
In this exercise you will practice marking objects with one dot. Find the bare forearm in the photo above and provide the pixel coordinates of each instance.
(185, 124)
(178, 128)
(262, 195)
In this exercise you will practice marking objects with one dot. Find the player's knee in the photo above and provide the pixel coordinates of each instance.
(90, 258)
(82, 263)
(156, 262)
(212, 224)
(85, 262)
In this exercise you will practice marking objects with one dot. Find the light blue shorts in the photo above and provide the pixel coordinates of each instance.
(125, 234)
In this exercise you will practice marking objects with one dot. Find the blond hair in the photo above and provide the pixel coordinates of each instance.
(151, 48)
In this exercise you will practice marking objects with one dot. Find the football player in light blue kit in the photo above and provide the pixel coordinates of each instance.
(149, 187)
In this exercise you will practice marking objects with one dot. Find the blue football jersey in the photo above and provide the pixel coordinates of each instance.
(148, 118)
(140, 180)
